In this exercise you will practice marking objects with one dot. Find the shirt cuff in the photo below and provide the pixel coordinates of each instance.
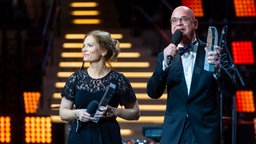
(217, 75)
(165, 66)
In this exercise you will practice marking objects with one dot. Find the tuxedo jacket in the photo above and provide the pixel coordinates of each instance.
(201, 106)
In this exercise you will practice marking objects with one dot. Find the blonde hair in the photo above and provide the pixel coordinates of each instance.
(105, 42)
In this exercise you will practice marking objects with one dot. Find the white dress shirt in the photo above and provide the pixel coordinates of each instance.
(188, 61)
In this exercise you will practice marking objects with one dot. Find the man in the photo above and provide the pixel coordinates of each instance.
(192, 113)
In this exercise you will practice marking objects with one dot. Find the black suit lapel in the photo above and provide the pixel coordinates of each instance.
(184, 88)
(198, 67)
(176, 75)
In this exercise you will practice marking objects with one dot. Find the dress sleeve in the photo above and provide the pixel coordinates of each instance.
(69, 89)
(126, 91)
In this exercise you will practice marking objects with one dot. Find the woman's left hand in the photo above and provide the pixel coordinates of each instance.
(111, 111)
(100, 113)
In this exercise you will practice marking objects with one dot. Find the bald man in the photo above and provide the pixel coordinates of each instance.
(192, 113)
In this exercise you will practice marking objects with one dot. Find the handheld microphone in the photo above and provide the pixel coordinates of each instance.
(176, 38)
(91, 109)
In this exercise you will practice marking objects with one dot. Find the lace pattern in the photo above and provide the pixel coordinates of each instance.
(81, 81)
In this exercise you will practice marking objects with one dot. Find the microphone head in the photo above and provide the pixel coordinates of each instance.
(92, 107)
(177, 37)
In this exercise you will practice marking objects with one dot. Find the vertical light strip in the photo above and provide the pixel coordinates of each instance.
(5, 129)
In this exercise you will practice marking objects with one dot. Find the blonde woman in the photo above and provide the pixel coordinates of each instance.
(90, 84)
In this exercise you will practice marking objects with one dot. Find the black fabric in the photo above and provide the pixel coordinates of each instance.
(82, 89)
(188, 136)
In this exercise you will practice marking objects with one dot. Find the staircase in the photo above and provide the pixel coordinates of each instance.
(134, 61)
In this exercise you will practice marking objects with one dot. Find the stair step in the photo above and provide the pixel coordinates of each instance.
(111, 25)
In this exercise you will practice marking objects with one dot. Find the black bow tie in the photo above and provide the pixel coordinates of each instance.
(189, 48)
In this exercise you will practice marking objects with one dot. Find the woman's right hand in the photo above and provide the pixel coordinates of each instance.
(83, 115)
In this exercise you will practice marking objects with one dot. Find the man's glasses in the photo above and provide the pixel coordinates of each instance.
(182, 20)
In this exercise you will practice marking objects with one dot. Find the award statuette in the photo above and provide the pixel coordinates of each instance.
(212, 40)
(106, 97)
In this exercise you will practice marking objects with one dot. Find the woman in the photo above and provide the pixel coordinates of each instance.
(87, 85)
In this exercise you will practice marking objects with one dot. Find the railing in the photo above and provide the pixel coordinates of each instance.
(167, 5)
(48, 33)
(149, 19)
(161, 31)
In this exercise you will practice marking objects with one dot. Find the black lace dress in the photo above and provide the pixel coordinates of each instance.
(81, 89)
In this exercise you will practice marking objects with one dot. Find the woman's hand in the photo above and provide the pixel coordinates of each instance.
(100, 113)
(111, 111)
(83, 115)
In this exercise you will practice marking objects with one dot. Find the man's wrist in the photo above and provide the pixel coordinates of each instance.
(216, 74)
(165, 66)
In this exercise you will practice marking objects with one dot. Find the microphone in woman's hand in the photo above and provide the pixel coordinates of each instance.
(91, 109)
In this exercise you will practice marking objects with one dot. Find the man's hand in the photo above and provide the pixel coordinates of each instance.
(214, 57)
